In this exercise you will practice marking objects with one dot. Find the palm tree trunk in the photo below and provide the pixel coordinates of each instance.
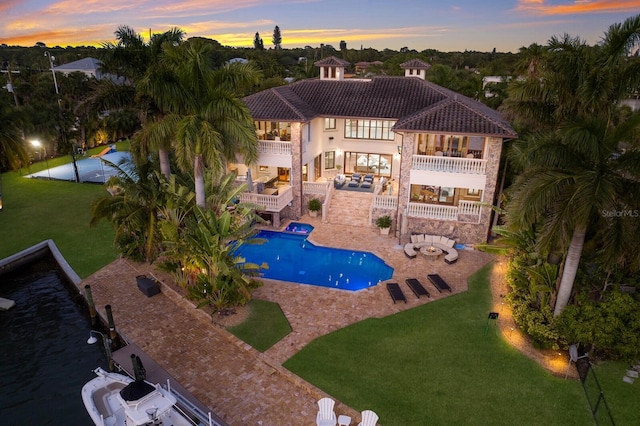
(165, 168)
(198, 175)
(570, 270)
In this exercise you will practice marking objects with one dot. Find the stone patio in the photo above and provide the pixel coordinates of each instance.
(241, 385)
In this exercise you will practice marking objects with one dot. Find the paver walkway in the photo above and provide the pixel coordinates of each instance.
(241, 385)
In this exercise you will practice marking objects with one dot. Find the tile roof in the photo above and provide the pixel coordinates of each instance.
(415, 63)
(418, 105)
(332, 61)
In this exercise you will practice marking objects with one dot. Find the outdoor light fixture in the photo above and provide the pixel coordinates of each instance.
(37, 144)
(105, 341)
(399, 149)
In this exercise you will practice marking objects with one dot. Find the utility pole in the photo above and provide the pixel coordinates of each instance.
(10, 87)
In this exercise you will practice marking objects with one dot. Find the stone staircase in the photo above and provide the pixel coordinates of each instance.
(350, 208)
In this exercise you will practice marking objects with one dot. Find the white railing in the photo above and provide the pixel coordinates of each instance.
(471, 209)
(271, 203)
(387, 202)
(316, 188)
(449, 164)
(432, 211)
(274, 147)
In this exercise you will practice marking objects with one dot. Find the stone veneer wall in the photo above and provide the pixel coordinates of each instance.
(464, 233)
(295, 174)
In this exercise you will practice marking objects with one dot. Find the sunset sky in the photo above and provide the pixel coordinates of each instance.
(458, 25)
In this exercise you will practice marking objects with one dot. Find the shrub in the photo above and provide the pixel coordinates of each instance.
(314, 205)
(384, 221)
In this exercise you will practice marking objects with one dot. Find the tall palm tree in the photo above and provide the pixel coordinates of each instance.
(209, 121)
(572, 169)
(139, 63)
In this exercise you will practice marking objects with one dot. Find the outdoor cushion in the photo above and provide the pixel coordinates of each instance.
(409, 251)
(365, 184)
(414, 238)
(353, 183)
(428, 239)
(450, 243)
(420, 238)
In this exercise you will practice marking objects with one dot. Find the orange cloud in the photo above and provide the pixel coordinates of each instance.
(544, 8)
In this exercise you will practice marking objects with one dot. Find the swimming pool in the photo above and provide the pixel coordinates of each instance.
(292, 258)
(90, 169)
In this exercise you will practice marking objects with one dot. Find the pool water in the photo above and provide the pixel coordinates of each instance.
(292, 258)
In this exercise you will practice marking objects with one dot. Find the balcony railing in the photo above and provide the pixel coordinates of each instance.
(466, 211)
(317, 188)
(274, 147)
(386, 202)
(449, 164)
(270, 203)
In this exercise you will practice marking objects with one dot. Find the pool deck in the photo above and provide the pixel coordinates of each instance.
(241, 385)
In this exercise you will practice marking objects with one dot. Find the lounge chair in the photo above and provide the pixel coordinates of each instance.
(368, 178)
(439, 283)
(369, 418)
(417, 288)
(356, 177)
(396, 292)
(326, 416)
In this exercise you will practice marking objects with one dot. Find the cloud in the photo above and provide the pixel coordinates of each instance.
(546, 8)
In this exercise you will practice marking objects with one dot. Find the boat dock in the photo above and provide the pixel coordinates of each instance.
(156, 374)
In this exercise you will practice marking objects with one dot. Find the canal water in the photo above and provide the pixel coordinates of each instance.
(44, 356)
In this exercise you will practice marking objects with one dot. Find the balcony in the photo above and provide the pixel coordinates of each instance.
(475, 166)
(465, 211)
(272, 200)
(274, 147)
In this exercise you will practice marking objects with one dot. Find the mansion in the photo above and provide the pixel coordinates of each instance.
(431, 155)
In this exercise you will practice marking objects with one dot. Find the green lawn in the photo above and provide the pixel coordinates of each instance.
(264, 327)
(433, 365)
(35, 210)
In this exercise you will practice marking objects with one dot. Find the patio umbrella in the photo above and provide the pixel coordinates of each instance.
(249, 180)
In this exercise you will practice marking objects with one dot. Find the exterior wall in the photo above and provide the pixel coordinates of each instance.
(464, 233)
(295, 174)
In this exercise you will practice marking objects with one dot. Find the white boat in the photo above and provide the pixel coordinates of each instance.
(113, 399)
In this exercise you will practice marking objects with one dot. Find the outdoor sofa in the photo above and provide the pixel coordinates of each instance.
(424, 240)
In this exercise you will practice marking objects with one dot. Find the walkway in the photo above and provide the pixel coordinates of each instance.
(241, 385)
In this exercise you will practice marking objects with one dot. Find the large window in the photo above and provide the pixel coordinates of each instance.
(364, 162)
(369, 129)
(450, 145)
(273, 130)
(329, 123)
(330, 160)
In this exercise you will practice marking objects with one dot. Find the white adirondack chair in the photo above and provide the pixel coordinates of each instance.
(369, 418)
(326, 416)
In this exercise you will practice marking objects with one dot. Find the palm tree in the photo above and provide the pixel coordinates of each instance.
(572, 167)
(133, 209)
(140, 65)
(209, 121)
(200, 245)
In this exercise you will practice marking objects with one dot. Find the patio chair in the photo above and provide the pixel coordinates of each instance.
(369, 418)
(416, 286)
(396, 292)
(368, 178)
(439, 283)
(326, 416)
(357, 177)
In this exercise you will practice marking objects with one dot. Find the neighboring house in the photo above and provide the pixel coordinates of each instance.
(442, 148)
(87, 66)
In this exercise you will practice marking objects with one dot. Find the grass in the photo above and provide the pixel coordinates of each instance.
(264, 327)
(35, 210)
(434, 365)
(622, 398)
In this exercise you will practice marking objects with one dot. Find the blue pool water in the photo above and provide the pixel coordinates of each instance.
(292, 258)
